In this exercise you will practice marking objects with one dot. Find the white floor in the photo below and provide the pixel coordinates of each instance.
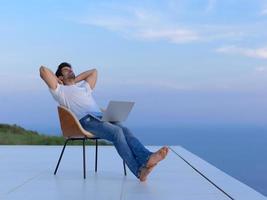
(26, 172)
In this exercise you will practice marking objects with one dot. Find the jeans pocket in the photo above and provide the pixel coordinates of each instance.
(90, 123)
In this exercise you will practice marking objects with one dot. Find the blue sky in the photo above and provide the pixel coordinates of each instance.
(186, 61)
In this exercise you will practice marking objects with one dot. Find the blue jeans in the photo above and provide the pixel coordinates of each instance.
(128, 146)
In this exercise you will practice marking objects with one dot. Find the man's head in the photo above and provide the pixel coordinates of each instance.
(64, 73)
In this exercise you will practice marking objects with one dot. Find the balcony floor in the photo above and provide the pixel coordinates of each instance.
(26, 172)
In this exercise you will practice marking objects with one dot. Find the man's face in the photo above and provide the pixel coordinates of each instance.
(67, 73)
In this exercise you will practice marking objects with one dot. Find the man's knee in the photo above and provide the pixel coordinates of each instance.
(118, 133)
(127, 131)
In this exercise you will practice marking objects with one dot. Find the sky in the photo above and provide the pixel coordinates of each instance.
(191, 62)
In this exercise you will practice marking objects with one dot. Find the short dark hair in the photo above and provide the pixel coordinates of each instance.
(64, 64)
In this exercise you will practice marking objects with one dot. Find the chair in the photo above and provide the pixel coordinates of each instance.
(72, 130)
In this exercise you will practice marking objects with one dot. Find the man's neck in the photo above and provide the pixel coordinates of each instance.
(69, 82)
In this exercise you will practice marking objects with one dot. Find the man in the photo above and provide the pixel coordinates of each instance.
(78, 98)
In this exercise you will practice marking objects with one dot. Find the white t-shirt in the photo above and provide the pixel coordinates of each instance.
(78, 98)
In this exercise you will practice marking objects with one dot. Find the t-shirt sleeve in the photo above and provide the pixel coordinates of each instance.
(56, 93)
(87, 86)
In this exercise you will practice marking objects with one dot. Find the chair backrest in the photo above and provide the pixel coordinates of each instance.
(70, 125)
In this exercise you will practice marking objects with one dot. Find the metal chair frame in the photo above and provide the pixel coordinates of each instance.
(84, 138)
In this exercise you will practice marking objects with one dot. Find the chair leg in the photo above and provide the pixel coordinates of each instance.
(124, 167)
(84, 167)
(61, 156)
(96, 154)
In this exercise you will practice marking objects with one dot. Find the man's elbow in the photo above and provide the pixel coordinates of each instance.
(42, 71)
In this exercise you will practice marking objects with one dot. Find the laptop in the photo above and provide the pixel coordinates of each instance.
(117, 111)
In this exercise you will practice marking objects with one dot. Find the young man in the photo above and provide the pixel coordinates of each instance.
(78, 98)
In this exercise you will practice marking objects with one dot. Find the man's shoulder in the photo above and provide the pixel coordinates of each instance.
(84, 84)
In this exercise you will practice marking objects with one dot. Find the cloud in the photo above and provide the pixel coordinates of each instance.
(164, 25)
(141, 24)
(150, 83)
(248, 52)
(261, 69)
(175, 35)
(211, 5)
(152, 27)
(168, 22)
(263, 12)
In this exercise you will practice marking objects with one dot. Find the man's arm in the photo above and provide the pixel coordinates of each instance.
(49, 78)
(89, 76)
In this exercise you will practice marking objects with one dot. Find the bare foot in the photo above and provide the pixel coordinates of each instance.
(157, 156)
(144, 173)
